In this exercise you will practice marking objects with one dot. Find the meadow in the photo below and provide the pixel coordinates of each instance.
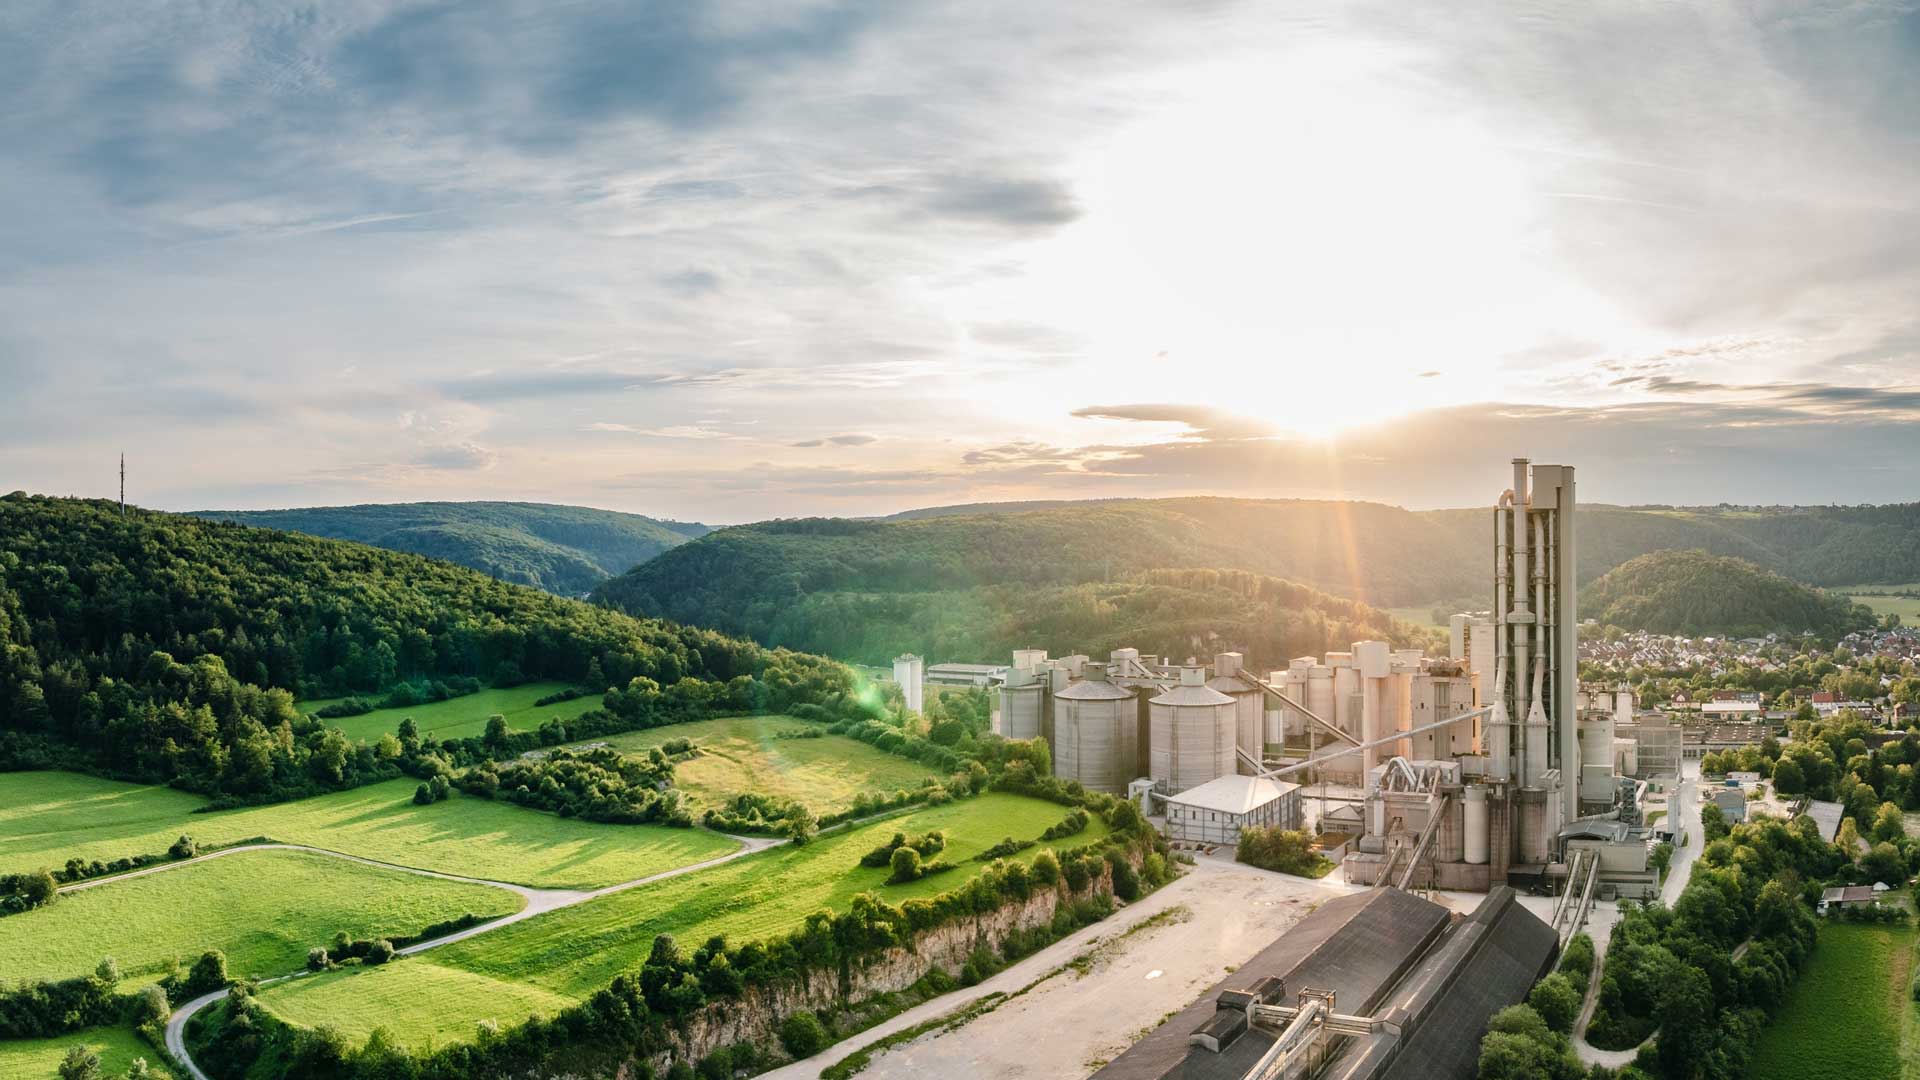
(743, 754)
(1907, 607)
(1847, 1013)
(49, 817)
(574, 951)
(38, 1059)
(465, 717)
(264, 909)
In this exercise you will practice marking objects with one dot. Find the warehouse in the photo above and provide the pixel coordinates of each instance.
(1407, 985)
(1216, 811)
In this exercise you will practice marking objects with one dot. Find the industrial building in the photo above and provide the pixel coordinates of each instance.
(1379, 985)
(1216, 811)
(1476, 769)
(911, 673)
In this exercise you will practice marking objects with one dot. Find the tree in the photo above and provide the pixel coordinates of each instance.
(318, 959)
(422, 795)
(1557, 1002)
(1714, 822)
(496, 734)
(1883, 862)
(183, 848)
(803, 1034)
(150, 1006)
(80, 1064)
(107, 971)
(209, 973)
(801, 825)
(1788, 779)
(379, 952)
(905, 864)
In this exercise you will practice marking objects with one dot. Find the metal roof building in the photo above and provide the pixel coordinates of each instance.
(1215, 812)
(1826, 815)
(1419, 981)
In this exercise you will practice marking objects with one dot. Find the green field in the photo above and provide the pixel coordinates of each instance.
(462, 717)
(39, 1059)
(48, 817)
(1908, 608)
(740, 754)
(1846, 1015)
(574, 951)
(264, 909)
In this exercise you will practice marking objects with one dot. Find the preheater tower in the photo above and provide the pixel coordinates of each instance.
(1532, 732)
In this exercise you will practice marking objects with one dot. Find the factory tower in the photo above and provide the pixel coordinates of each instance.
(1531, 737)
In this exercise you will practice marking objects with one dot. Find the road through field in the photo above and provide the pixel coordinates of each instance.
(538, 902)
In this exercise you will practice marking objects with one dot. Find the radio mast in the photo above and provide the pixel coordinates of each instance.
(123, 483)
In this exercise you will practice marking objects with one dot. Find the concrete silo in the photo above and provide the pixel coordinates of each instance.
(1095, 729)
(1023, 703)
(1192, 732)
(1248, 706)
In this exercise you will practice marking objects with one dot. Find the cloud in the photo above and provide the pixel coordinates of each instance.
(1011, 202)
(853, 438)
(457, 457)
(1202, 422)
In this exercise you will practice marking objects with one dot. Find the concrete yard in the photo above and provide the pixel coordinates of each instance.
(1221, 913)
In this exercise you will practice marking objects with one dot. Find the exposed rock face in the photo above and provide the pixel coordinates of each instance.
(756, 1017)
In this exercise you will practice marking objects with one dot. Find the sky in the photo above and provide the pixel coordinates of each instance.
(735, 260)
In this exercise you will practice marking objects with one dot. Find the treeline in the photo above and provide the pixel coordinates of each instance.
(163, 648)
(1696, 594)
(596, 785)
(562, 549)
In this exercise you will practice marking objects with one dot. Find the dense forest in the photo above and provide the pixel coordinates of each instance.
(1694, 593)
(970, 582)
(562, 549)
(168, 648)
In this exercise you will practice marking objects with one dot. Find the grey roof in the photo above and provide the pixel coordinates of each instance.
(1486, 962)
(1231, 684)
(1357, 946)
(1827, 816)
(1233, 793)
(1090, 690)
(1192, 695)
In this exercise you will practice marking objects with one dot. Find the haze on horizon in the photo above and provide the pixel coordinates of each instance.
(737, 260)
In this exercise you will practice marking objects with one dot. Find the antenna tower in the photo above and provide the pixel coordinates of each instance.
(123, 484)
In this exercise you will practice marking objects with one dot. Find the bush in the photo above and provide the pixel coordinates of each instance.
(422, 795)
(803, 1034)
(1046, 867)
(1576, 960)
(1126, 883)
(1286, 851)
(1004, 848)
(380, 952)
(1557, 1002)
(150, 1006)
(1072, 825)
(183, 848)
(906, 866)
(80, 1064)
(317, 959)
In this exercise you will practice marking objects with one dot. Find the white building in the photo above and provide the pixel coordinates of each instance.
(1215, 812)
(910, 672)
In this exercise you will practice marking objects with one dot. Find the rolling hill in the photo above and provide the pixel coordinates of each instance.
(165, 647)
(562, 549)
(1694, 593)
(959, 582)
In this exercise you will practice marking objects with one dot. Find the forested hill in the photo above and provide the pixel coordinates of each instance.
(1694, 593)
(978, 592)
(167, 647)
(562, 549)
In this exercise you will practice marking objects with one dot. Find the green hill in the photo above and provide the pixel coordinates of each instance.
(1694, 593)
(562, 549)
(165, 647)
(960, 582)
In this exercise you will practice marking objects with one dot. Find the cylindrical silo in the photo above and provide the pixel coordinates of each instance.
(1023, 704)
(1346, 694)
(1474, 803)
(1193, 730)
(1323, 693)
(1247, 699)
(1094, 725)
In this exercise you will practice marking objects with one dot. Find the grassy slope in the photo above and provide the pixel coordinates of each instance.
(264, 909)
(740, 754)
(1844, 1018)
(71, 815)
(575, 951)
(462, 717)
(38, 1059)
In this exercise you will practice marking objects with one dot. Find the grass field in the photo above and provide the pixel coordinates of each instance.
(39, 1059)
(572, 952)
(462, 717)
(740, 754)
(1846, 1014)
(264, 909)
(47, 817)
(1908, 608)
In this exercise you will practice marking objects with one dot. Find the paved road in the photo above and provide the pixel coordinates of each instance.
(1683, 809)
(538, 902)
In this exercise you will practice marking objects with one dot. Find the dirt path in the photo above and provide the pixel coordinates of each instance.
(538, 902)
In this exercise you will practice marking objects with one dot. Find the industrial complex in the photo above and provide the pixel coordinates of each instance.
(1488, 770)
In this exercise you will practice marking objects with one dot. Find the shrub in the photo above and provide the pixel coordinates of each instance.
(80, 1064)
(803, 1034)
(1071, 825)
(422, 795)
(380, 952)
(1046, 867)
(1126, 883)
(1286, 851)
(209, 973)
(183, 848)
(150, 1006)
(107, 971)
(1576, 961)
(317, 959)
(906, 866)
(1004, 848)
(1557, 1002)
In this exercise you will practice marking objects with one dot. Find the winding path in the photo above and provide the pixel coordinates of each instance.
(538, 902)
